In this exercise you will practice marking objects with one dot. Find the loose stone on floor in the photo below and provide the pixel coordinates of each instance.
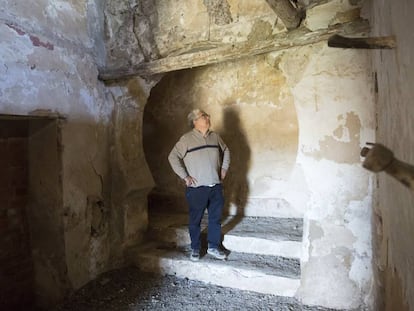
(132, 289)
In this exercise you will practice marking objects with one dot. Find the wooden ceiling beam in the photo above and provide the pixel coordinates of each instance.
(338, 41)
(284, 9)
(227, 52)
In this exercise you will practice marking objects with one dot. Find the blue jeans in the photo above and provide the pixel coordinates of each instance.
(199, 199)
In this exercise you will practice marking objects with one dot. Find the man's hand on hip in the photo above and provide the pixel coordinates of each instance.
(190, 181)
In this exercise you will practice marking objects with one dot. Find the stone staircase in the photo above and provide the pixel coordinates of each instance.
(263, 253)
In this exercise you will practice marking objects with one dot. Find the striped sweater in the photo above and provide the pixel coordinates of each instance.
(201, 157)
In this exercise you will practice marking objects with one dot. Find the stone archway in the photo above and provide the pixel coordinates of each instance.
(251, 108)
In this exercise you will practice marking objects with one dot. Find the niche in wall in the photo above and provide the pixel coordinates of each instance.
(251, 107)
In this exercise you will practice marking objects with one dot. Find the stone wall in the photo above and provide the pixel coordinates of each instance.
(49, 58)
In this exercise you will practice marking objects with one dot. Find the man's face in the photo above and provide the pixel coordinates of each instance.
(202, 121)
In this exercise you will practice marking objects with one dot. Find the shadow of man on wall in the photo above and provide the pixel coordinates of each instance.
(236, 187)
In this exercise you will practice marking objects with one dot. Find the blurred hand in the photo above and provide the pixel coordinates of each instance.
(223, 174)
(190, 181)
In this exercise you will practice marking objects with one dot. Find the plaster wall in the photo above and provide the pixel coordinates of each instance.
(394, 207)
(50, 51)
(333, 97)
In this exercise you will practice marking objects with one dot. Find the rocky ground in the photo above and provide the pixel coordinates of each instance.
(131, 289)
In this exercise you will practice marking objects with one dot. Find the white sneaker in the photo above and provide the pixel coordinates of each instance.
(195, 255)
(216, 253)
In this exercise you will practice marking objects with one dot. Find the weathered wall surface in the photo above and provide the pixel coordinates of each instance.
(48, 64)
(394, 209)
(295, 121)
(131, 178)
(139, 31)
(333, 99)
(49, 55)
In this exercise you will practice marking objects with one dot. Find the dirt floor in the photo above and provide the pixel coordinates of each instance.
(132, 289)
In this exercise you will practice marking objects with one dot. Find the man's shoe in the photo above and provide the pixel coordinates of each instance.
(216, 253)
(195, 255)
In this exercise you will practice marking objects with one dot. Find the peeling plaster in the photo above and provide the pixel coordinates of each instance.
(315, 231)
(12, 46)
(318, 272)
(36, 41)
(261, 30)
(55, 8)
(344, 148)
(357, 214)
(334, 238)
(324, 15)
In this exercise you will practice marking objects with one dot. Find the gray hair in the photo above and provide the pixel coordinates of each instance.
(193, 115)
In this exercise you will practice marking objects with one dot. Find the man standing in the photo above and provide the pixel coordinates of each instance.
(201, 159)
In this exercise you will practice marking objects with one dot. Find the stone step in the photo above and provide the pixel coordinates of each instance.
(256, 235)
(259, 273)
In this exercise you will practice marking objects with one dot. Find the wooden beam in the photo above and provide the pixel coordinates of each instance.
(283, 41)
(290, 16)
(338, 41)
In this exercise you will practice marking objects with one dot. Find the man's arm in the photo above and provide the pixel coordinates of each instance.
(226, 158)
(176, 159)
(223, 173)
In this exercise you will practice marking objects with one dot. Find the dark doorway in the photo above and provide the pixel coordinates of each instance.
(16, 269)
(29, 190)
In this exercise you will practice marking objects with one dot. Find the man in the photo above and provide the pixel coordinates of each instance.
(196, 158)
